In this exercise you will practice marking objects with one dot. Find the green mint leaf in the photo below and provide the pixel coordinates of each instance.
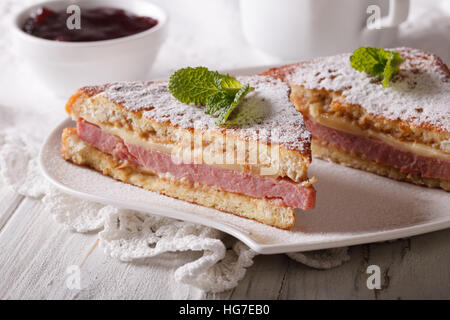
(380, 63)
(218, 101)
(193, 85)
(229, 84)
(368, 60)
(392, 67)
(220, 94)
(237, 99)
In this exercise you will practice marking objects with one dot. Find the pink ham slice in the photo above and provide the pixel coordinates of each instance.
(285, 191)
(381, 152)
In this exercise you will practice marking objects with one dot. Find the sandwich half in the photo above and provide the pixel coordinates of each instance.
(254, 167)
(402, 132)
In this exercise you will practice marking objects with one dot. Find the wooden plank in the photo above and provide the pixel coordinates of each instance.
(9, 201)
(302, 282)
(37, 252)
(279, 277)
(416, 268)
(153, 278)
(263, 280)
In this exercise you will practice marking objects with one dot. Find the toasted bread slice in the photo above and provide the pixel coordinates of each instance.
(255, 166)
(146, 113)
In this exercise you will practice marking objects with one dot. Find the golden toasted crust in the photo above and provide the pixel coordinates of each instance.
(115, 119)
(265, 109)
(424, 79)
(261, 210)
(319, 104)
(322, 88)
(322, 149)
(283, 72)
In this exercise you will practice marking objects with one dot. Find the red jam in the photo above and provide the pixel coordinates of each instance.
(96, 24)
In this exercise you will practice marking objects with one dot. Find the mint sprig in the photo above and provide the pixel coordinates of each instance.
(237, 99)
(217, 102)
(220, 94)
(381, 64)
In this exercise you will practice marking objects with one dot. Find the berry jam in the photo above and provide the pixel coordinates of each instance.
(96, 24)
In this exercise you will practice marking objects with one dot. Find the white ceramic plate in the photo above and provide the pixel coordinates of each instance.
(353, 207)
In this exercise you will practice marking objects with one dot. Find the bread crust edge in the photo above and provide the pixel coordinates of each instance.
(260, 210)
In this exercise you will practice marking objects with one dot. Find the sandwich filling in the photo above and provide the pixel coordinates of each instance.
(283, 191)
(381, 152)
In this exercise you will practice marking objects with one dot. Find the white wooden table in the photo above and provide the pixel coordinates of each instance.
(36, 251)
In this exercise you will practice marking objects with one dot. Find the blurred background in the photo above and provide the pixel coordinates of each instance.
(209, 32)
(226, 34)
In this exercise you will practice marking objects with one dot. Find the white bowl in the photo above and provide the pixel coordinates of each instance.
(66, 66)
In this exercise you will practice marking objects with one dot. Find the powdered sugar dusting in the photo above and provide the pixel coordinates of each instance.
(358, 206)
(265, 114)
(419, 94)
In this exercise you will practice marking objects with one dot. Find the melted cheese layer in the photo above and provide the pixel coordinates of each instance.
(414, 147)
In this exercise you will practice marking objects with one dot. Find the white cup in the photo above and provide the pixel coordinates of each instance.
(303, 29)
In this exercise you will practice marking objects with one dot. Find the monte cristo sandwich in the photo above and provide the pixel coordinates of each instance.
(254, 166)
(400, 130)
